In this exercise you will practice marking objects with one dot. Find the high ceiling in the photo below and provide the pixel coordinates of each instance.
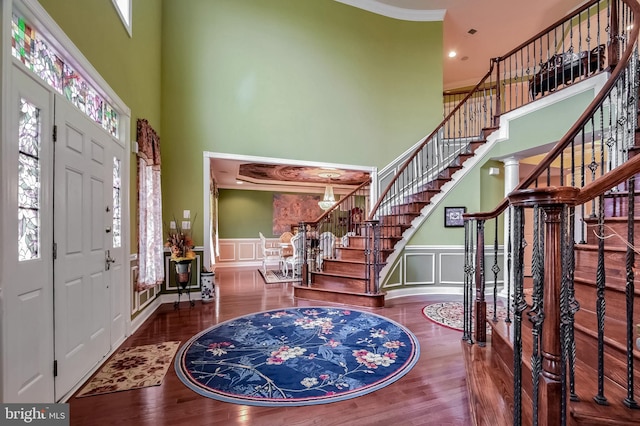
(498, 25)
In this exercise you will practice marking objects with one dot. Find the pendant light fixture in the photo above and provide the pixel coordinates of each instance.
(329, 200)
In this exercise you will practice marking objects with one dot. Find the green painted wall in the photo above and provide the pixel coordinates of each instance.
(307, 80)
(242, 214)
(130, 65)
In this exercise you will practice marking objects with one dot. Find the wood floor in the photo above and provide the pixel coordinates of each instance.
(434, 392)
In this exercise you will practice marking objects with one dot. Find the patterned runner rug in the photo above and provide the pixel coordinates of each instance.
(132, 368)
(297, 356)
(276, 276)
(451, 314)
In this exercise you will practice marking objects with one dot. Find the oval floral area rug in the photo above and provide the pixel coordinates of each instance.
(297, 356)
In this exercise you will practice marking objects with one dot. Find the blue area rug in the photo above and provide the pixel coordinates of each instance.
(297, 356)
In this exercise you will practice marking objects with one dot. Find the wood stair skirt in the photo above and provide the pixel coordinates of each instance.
(342, 279)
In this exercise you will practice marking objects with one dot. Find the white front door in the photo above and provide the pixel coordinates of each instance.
(83, 211)
(27, 296)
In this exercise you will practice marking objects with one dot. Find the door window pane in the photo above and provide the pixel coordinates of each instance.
(28, 181)
(117, 208)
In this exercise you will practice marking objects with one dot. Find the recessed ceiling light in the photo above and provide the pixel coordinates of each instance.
(239, 182)
(472, 31)
(452, 54)
(464, 58)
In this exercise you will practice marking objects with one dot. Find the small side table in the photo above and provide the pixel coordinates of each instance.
(183, 278)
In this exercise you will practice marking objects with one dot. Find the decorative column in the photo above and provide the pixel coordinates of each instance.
(511, 180)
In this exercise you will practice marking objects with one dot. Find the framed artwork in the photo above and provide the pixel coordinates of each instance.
(290, 209)
(453, 217)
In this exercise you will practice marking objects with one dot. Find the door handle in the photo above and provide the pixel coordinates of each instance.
(108, 260)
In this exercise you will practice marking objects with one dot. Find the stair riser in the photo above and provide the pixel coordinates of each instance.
(335, 267)
(424, 196)
(392, 231)
(614, 364)
(361, 242)
(618, 206)
(357, 255)
(340, 283)
(404, 219)
(616, 301)
(450, 171)
(615, 233)
(614, 262)
(436, 184)
(408, 208)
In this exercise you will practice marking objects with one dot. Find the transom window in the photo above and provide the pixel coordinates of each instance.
(33, 51)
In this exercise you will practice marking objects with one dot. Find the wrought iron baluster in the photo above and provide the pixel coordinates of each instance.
(480, 304)
(629, 401)
(495, 269)
(572, 303)
(509, 212)
(536, 314)
(600, 304)
(468, 283)
(519, 307)
(565, 316)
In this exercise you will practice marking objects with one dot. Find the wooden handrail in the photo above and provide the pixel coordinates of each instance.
(609, 180)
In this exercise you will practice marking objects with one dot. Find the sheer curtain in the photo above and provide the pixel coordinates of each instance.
(150, 243)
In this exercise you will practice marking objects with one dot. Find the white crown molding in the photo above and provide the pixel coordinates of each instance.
(397, 12)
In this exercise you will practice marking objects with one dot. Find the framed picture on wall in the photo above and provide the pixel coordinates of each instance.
(453, 217)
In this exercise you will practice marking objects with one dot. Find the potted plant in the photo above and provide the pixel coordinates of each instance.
(181, 246)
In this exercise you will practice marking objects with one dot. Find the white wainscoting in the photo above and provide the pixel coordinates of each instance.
(436, 269)
(242, 251)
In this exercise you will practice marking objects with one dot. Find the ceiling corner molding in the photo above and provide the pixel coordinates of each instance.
(397, 12)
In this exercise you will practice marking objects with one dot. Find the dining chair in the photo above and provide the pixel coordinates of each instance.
(297, 258)
(285, 242)
(270, 254)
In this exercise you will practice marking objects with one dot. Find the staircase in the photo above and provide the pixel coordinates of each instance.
(346, 276)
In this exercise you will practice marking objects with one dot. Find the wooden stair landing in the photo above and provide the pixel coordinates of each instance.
(339, 296)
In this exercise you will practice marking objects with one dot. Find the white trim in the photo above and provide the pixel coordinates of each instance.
(423, 290)
(401, 13)
(128, 23)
